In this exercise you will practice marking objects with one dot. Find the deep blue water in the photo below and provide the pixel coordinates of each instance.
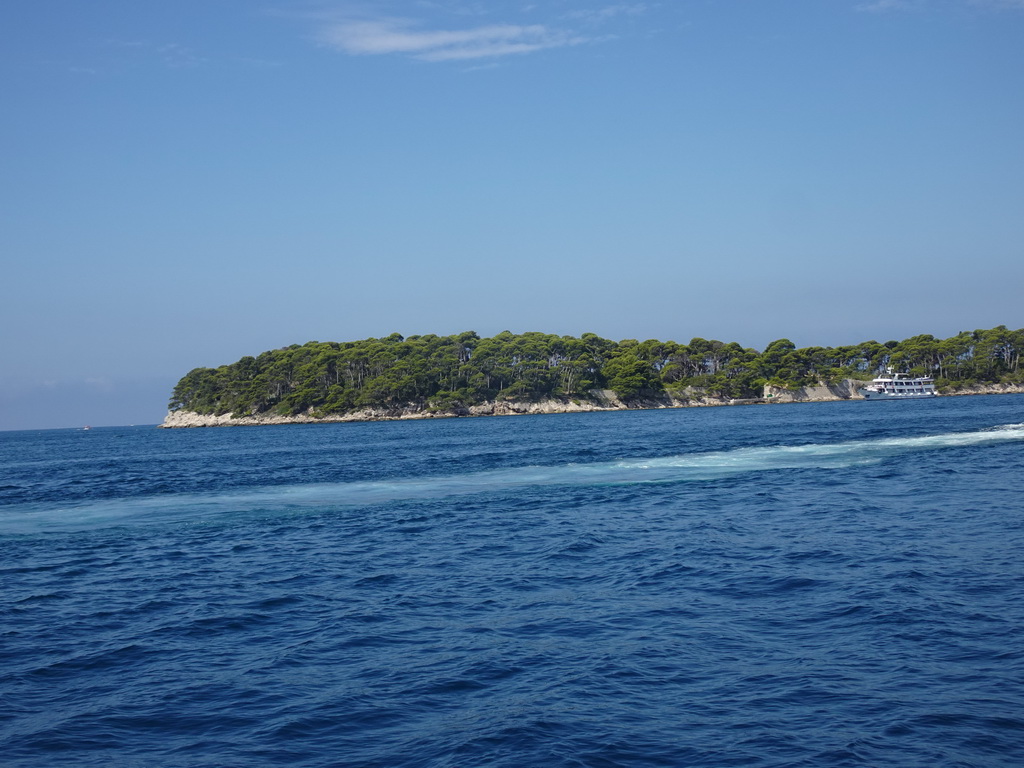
(836, 584)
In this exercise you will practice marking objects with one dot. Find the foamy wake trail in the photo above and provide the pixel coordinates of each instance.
(688, 467)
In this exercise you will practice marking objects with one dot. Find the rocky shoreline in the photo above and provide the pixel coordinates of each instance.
(602, 400)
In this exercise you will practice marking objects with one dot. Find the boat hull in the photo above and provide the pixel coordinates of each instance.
(869, 395)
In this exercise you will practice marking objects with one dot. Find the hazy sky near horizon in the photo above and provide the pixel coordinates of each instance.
(186, 183)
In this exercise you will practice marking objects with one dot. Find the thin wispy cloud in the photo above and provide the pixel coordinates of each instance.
(173, 55)
(882, 6)
(176, 55)
(608, 12)
(407, 37)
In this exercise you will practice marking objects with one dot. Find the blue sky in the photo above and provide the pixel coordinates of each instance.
(186, 183)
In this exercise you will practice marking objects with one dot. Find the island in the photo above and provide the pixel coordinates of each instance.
(415, 377)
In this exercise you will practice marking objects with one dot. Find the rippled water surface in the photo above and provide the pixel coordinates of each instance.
(836, 584)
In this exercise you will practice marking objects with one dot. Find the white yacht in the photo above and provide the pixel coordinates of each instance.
(899, 386)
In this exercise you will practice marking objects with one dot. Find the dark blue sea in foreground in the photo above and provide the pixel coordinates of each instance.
(832, 584)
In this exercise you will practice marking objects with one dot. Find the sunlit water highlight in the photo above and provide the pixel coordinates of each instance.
(835, 584)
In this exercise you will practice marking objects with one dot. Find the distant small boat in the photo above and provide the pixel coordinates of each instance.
(899, 386)
(86, 428)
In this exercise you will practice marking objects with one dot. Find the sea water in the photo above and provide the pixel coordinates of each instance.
(831, 584)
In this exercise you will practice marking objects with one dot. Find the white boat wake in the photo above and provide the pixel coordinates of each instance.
(693, 467)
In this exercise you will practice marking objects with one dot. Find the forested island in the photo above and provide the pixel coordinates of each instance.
(464, 374)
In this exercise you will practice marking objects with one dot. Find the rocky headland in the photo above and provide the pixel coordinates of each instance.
(430, 376)
(601, 400)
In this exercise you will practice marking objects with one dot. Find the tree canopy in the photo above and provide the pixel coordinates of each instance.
(445, 372)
